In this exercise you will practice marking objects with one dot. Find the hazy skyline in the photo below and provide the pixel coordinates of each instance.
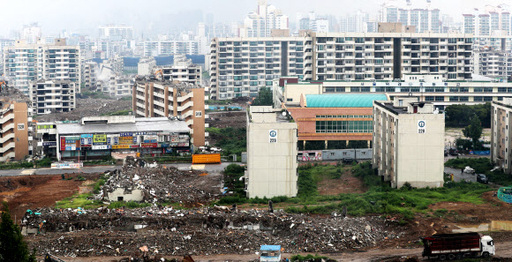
(84, 16)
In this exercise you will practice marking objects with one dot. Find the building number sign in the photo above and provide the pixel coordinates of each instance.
(422, 127)
(272, 136)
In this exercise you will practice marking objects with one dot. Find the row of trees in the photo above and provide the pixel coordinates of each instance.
(462, 115)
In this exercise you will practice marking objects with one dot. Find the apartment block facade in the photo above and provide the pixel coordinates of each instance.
(52, 96)
(408, 143)
(89, 75)
(153, 98)
(15, 132)
(501, 135)
(240, 66)
(26, 63)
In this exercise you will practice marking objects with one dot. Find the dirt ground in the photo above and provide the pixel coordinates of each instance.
(223, 119)
(343, 185)
(29, 192)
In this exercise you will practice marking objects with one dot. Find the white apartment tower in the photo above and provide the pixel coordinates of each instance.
(26, 63)
(488, 21)
(261, 22)
(424, 18)
(271, 154)
(408, 142)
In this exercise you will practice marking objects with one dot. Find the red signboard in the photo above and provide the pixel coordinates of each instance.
(62, 143)
(149, 145)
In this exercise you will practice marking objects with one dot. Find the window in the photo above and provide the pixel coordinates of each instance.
(344, 126)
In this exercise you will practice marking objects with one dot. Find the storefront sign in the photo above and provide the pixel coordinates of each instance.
(148, 145)
(120, 146)
(101, 138)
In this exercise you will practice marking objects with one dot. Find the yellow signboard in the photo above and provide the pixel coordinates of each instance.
(99, 139)
(120, 146)
(126, 140)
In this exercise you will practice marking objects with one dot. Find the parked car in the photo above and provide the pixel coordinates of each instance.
(482, 178)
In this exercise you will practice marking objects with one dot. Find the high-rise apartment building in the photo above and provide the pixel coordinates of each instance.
(116, 32)
(240, 66)
(261, 22)
(424, 18)
(493, 63)
(26, 63)
(171, 47)
(488, 21)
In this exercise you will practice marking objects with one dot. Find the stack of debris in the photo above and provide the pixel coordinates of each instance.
(159, 184)
(166, 231)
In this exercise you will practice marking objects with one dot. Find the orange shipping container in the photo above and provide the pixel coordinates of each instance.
(206, 159)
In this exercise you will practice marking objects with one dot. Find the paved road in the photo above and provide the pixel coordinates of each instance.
(458, 176)
(101, 169)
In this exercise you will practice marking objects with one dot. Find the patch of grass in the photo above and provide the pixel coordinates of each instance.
(84, 201)
(231, 140)
(129, 204)
(311, 258)
(119, 113)
(382, 199)
(169, 159)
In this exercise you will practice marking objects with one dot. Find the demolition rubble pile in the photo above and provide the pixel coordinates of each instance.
(159, 184)
(204, 231)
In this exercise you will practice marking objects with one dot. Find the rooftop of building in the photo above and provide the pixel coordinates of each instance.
(103, 126)
(407, 105)
(343, 100)
(169, 83)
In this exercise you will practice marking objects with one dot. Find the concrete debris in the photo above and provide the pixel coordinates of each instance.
(200, 231)
(154, 184)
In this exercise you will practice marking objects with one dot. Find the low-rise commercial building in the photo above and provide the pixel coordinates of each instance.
(408, 142)
(271, 154)
(334, 121)
(98, 137)
(429, 88)
(153, 98)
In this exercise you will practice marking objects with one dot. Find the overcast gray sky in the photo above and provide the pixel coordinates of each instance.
(85, 15)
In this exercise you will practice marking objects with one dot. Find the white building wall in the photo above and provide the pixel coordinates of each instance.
(271, 166)
(420, 156)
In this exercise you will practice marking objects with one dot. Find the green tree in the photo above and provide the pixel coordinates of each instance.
(473, 130)
(12, 246)
(264, 97)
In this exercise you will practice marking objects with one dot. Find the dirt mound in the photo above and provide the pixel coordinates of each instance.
(30, 192)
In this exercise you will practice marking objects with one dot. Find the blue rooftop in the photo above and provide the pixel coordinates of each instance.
(343, 100)
(270, 247)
